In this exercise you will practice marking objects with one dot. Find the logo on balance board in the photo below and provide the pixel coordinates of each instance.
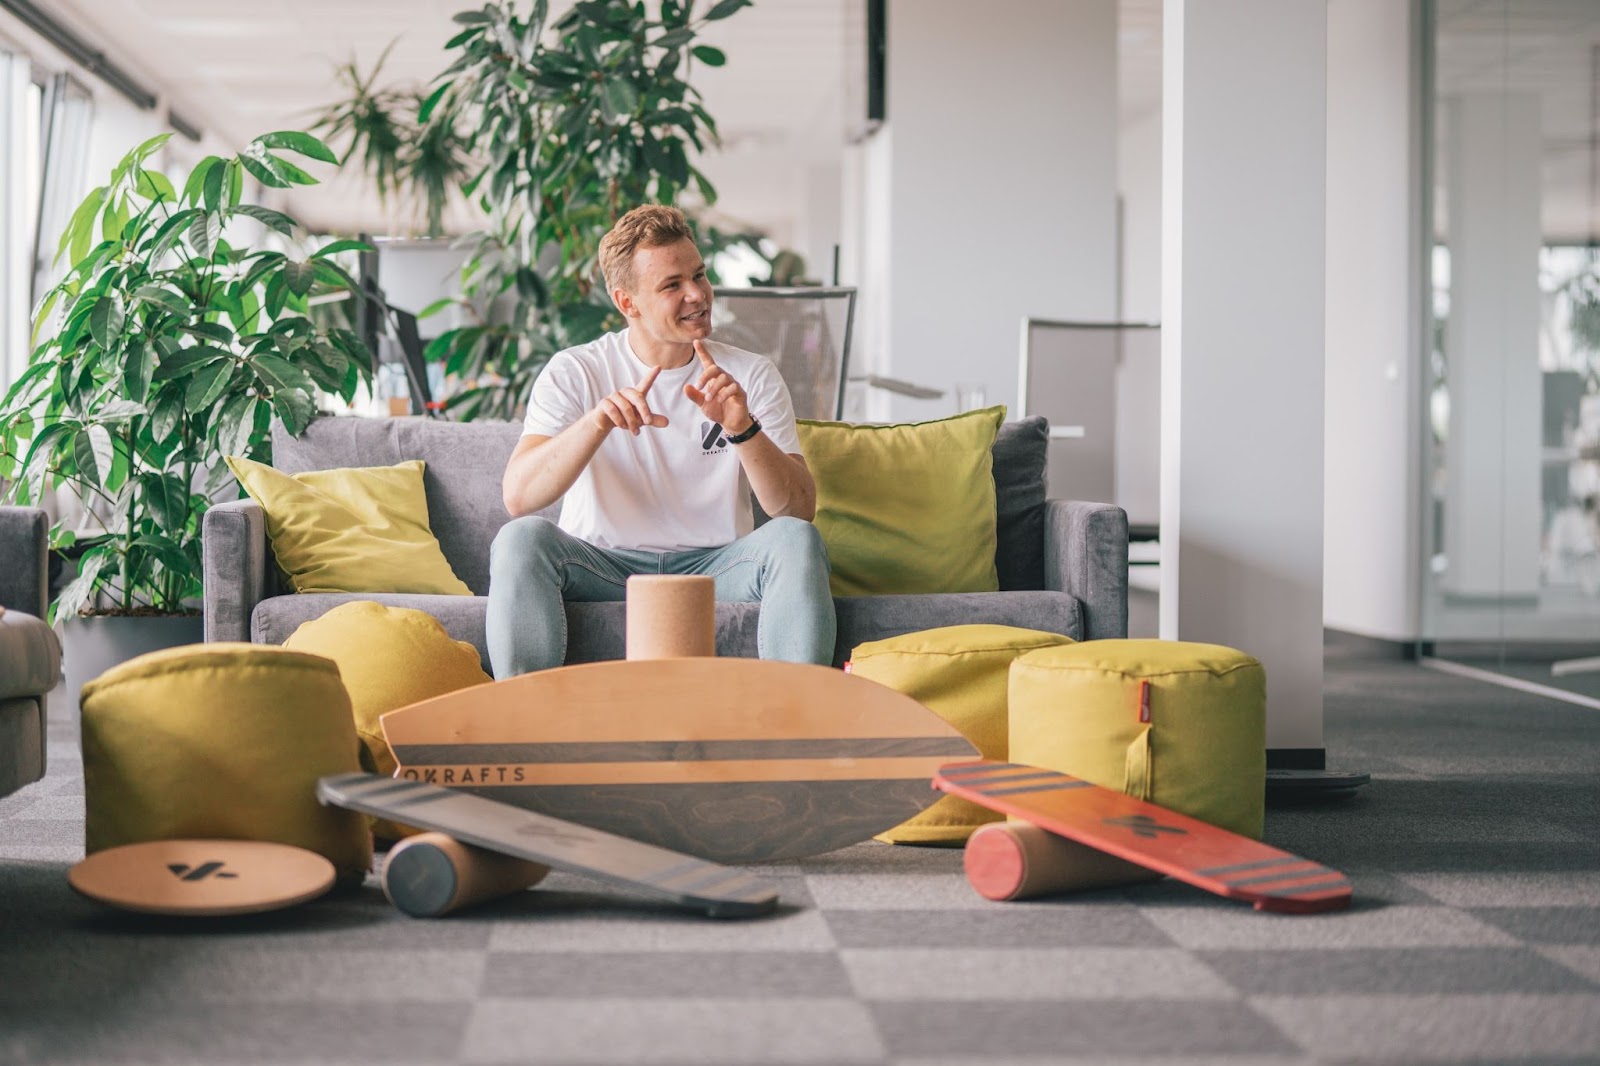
(1145, 826)
(185, 872)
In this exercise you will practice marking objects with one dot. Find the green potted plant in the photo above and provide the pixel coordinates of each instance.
(169, 343)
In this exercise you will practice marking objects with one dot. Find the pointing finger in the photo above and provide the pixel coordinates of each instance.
(705, 356)
(648, 380)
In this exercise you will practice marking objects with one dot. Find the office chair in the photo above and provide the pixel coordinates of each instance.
(804, 330)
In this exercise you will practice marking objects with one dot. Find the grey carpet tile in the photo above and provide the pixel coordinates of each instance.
(1084, 1029)
(705, 1030)
(1392, 971)
(1439, 1028)
(666, 974)
(1026, 974)
(1583, 959)
(1063, 926)
(865, 891)
(614, 929)
(1517, 888)
(1406, 926)
(123, 1030)
(1545, 925)
(160, 973)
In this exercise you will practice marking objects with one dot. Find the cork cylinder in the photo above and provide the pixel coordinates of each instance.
(671, 616)
(1014, 860)
(431, 874)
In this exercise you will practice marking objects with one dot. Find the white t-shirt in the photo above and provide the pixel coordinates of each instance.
(668, 489)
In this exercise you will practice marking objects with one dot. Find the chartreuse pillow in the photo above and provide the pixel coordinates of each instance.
(906, 508)
(358, 529)
(388, 657)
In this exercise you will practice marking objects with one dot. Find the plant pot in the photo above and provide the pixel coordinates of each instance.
(93, 644)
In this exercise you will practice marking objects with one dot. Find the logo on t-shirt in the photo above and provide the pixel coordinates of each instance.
(711, 438)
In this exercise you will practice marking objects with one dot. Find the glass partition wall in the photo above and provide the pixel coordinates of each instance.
(1512, 423)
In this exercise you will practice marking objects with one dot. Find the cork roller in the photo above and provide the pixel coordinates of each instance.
(431, 874)
(671, 616)
(1014, 860)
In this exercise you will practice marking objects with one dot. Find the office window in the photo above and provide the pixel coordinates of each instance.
(19, 198)
(1512, 572)
(68, 110)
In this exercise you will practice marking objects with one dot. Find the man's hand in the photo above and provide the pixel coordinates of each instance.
(628, 409)
(720, 398)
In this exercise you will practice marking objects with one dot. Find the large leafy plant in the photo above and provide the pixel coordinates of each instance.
(166, 346)
(565, 125)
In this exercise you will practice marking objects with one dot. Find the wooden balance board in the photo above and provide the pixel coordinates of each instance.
(733, 760)
(203, 878)
(1190, 850)
(690, 882)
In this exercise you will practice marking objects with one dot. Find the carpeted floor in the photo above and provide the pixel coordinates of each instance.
(1475, 855)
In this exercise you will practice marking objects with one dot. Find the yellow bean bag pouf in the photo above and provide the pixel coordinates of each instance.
(958, 672)
(221, 741)
(389, 657)
(1179, 724)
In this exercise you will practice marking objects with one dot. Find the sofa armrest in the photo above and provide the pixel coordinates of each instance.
(1086, 555)
(24, 560)
(234, 562)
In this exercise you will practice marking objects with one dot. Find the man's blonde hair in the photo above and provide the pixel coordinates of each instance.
(646, 226)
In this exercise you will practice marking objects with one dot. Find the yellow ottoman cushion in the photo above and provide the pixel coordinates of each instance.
(1203, 750)
(389, 657)
(221, 741)
(958, 672)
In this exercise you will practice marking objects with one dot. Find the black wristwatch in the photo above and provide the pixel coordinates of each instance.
(749, 431)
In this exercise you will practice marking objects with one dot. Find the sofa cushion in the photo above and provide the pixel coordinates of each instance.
(907, 508)
(350, 529)
(1021, 449)
(462, 479)
(30, 656)
(596, 631)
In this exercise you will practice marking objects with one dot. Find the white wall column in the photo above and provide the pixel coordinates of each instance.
(1375, 288)
(1244, 166)
(999, 175)
(1492, 510)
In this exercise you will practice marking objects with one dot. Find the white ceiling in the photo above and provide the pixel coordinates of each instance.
(239, 69)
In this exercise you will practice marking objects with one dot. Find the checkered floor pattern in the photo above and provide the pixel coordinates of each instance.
(1475, 855)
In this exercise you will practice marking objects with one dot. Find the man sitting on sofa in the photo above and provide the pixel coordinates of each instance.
(654, 437)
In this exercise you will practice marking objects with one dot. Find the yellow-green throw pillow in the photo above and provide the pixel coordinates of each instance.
(906, 508)
(359, 529)
(389, 657)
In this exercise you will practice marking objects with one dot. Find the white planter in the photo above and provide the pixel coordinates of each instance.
(92, 645)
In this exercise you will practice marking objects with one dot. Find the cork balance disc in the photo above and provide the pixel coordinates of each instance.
(730, 760)
(203, 878)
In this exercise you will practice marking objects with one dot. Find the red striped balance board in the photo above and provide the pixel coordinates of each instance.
(731, 760)
(1163, 840)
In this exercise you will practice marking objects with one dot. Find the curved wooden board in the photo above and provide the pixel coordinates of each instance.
(732, 760)
(1160, 839)
(207, 878)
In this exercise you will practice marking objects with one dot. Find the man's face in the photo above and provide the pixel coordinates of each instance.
(671, 296)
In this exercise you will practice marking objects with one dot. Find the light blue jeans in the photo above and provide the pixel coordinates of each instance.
(535, 567)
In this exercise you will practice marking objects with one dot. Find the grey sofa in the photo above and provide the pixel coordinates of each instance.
(30, 657)
(1063, 566)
